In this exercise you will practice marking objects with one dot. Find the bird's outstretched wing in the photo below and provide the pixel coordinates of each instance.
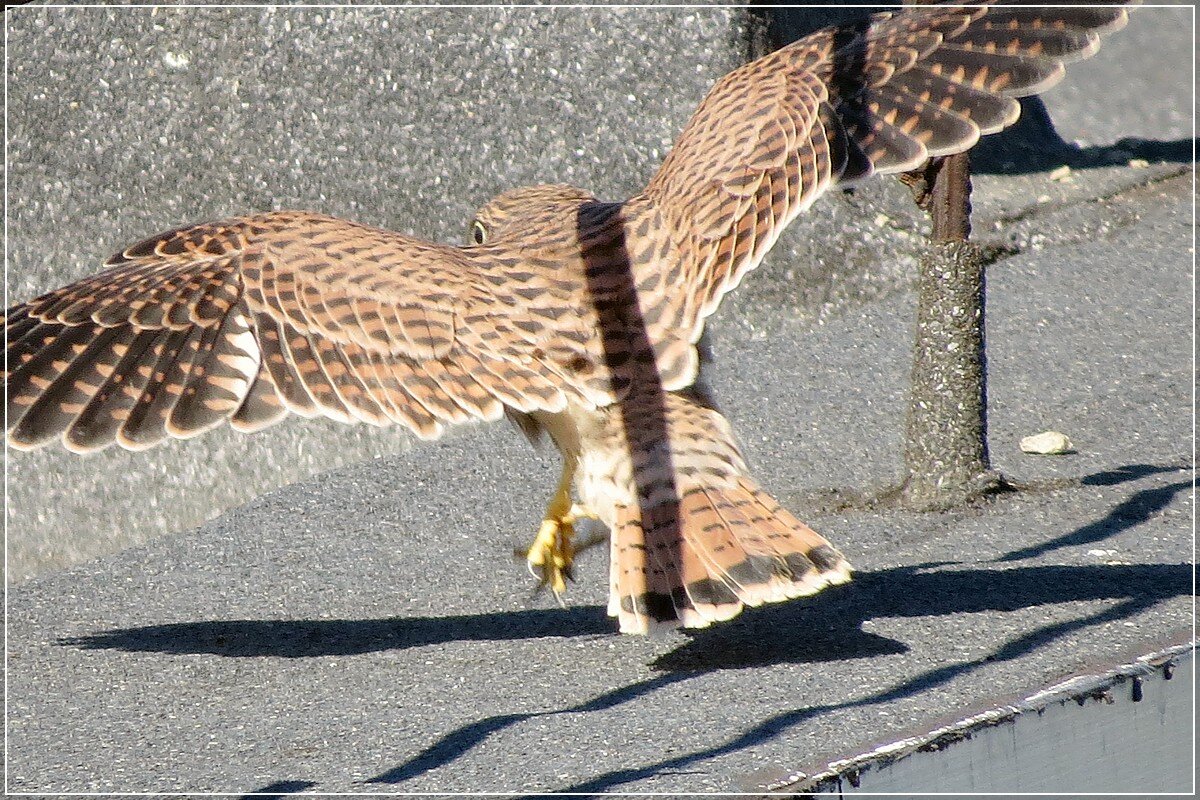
(836, 106)
(247, 319)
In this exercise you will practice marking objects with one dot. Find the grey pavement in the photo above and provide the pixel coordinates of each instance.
(366, 629)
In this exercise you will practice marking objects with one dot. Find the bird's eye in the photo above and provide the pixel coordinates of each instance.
(478, 232)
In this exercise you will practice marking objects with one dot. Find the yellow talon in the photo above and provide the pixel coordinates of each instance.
(552, 553)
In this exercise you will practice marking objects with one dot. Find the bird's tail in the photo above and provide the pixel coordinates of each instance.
(700, 549)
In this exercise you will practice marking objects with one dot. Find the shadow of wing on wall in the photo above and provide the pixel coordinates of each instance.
(1031, 145)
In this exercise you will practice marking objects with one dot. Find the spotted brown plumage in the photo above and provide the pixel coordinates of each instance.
(571, 316)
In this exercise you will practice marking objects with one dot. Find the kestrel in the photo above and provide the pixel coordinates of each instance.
(576, 318)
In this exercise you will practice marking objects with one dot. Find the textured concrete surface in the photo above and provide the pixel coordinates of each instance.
(367, 629)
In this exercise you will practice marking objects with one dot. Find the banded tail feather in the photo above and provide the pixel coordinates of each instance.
(721, 549)
(694, 538)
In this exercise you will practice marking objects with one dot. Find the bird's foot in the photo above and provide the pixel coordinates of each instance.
(552, 554)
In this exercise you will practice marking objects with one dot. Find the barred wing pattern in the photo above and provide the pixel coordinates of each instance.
(247, 319)
(250, 318)
(841, 104)
(574, 316)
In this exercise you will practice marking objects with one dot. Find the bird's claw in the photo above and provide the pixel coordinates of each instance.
(551, 556)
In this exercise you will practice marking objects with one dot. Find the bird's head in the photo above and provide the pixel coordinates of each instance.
(528, 208)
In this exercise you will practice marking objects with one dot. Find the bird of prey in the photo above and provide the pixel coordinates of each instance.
(576, 318)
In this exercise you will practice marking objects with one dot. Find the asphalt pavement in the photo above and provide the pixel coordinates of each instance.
(365, 628)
